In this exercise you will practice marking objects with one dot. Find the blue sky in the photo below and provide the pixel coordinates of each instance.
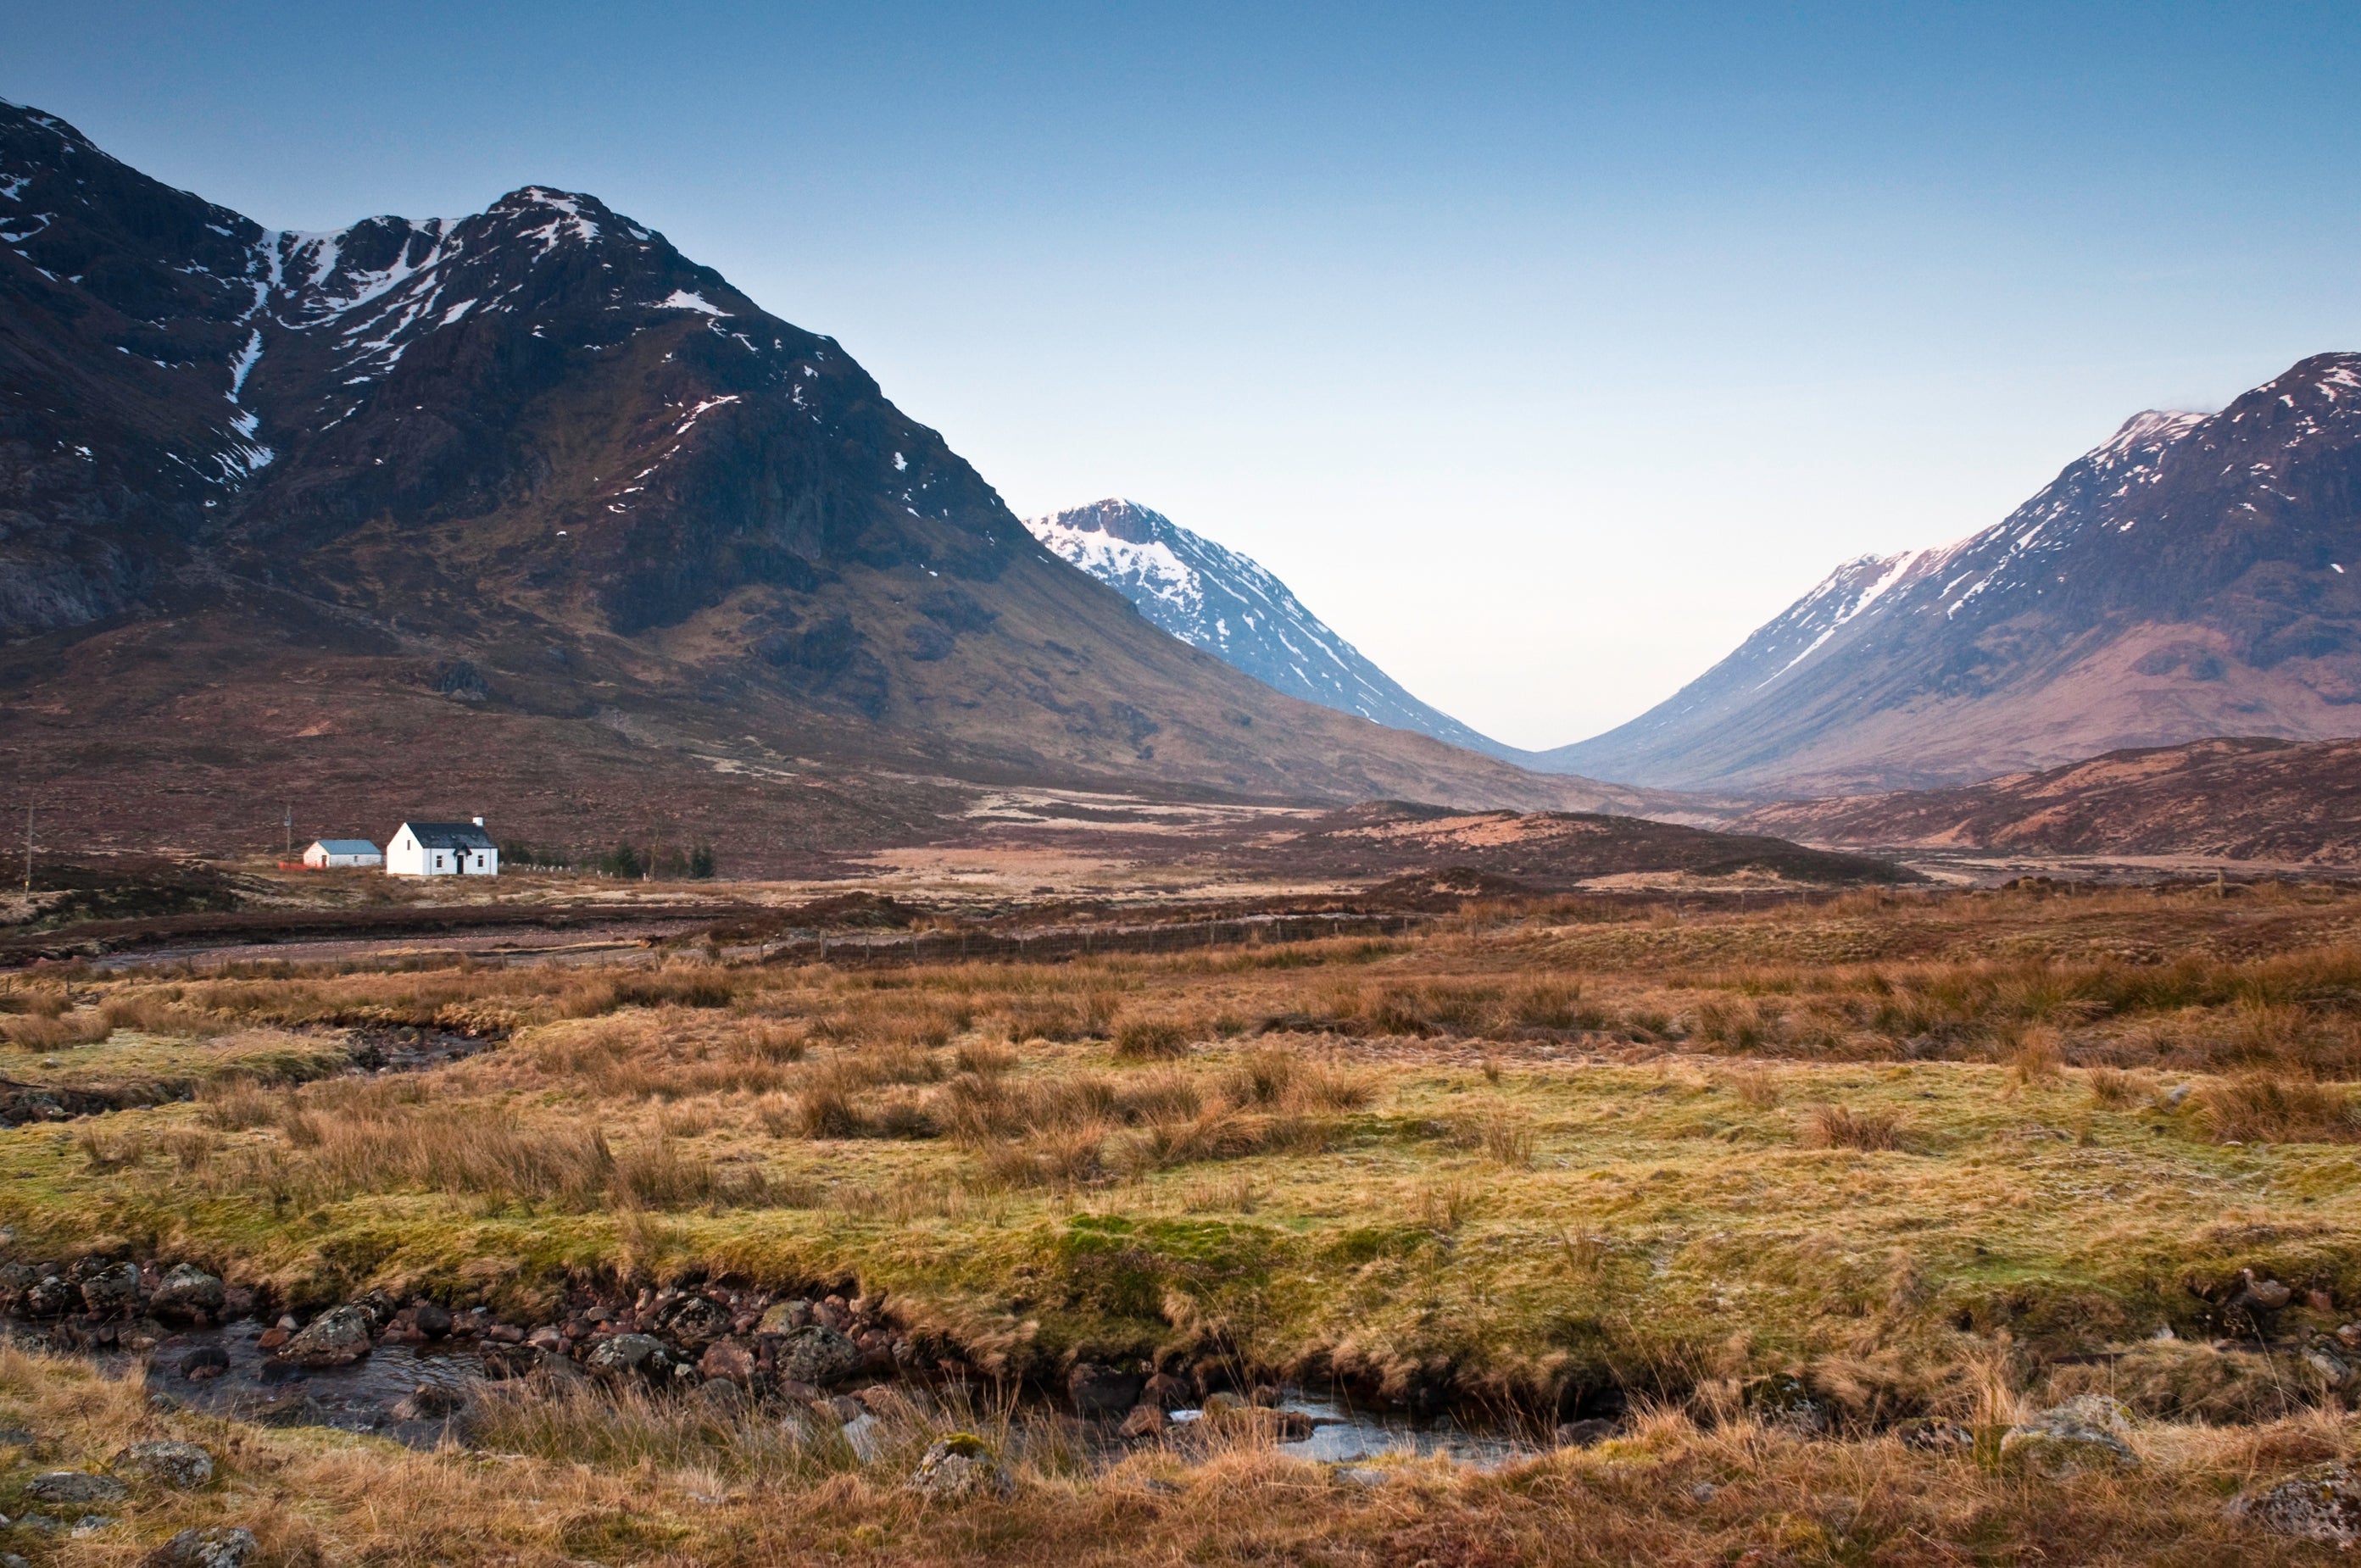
(1545, 351)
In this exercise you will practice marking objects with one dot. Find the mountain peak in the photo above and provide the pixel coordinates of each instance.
(2187, 577)
(1237, 610)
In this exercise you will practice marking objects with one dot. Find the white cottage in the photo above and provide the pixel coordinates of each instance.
(442, 849)
(327, 853)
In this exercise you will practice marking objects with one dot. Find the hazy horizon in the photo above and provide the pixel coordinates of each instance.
(1544, 353)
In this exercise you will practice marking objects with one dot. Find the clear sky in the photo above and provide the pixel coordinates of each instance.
(1545, 351)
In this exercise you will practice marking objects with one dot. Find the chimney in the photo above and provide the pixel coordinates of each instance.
(479, 822)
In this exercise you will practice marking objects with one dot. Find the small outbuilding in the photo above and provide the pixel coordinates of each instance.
(327, 854)
(442, 849)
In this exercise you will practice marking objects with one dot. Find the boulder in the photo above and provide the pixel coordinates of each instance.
(187, 1290)
(728, 1359)
(2322, 1504)
(818, 1356)
(181, 1465)
(783, 1317)
(433, 1322)
(75, 1486)
(50, 1296)
(108, 1287)
(629, 1354)
(1584, 1434)
(215, 1548)
(338, 1337)
(695, 1322)
(2085, 1433)
(1103, 1391)
(957, 1469)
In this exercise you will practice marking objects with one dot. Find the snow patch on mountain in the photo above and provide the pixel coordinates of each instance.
(1233, 607)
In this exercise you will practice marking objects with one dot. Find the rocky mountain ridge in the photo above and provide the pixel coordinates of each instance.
(1211, 597)
(2192, 575)
(530, 499)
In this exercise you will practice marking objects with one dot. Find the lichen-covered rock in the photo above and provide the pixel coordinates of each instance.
(50, 1296)
(2320, 1504)
(215, 1548)
(959, 1467)
(626, 1354)
(818, 1356)
(75, 1486)
(109, 1287)
(338, 1337)
(186, 1290)
(2085, 1433)
(183, 1465)
(694, 1322)
(784, 1317)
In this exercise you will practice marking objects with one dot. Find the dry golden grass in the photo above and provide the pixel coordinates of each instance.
(1842, 1127)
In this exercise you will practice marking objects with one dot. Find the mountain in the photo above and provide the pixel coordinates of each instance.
(1211, 597)
(2247, 799)
(2196, 575)
(528, 513)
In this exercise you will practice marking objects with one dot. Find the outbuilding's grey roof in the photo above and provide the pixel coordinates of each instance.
(346, 846)
(450, 835)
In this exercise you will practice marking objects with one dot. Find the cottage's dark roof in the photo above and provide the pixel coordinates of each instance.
(450, 835)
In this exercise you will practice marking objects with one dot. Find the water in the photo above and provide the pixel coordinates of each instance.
(368, 1395)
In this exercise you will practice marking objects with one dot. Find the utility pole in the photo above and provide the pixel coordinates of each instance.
(28, 849)
(291, 829)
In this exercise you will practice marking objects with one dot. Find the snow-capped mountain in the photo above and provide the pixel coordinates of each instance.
(1230, 606)
(530, 492)
(2192, 575)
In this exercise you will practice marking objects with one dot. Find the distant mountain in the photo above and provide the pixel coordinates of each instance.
(2196, 575)
(2249, 799)
(526, 512)
(1230, 606)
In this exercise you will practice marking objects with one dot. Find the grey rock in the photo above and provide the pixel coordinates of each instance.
(2322, 1504)
(957, 1469)
(338, 1337)
(40, 1524)
(183, 1465)
(75, 1486)
(215, 1548)
(111, 1289)
(91, 1524)
(818, 1356)
(10, 1560)
(1932, 1434)
(50, 1297)
(625, 1355)
(185, 1290)
(433, 1322)
(2085, 1433)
